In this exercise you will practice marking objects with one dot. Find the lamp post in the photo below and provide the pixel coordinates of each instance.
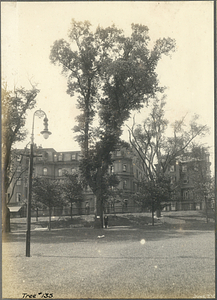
(39, 113)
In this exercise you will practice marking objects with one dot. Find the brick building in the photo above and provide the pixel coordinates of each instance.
(52, 164)
(187, 173)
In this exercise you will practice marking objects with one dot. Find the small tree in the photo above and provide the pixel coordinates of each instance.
(14, 108)
(154, 194)
(47, 192)
(72, 191)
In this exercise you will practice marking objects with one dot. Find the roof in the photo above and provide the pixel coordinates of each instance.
(14, 208)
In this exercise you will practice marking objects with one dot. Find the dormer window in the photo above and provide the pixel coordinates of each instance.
(74, 156)
(60, 157)
(124, 167)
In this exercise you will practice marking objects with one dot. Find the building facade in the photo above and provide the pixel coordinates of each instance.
(188, 174)
(51, 164)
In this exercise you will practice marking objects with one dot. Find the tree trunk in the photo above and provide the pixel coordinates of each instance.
(152, 213)
(5, 217)
(99, 212)
(206, 208)
(49, 223)
(71, 211)
(5, 211)
(79, 207)
(99, 201)
(37, 214)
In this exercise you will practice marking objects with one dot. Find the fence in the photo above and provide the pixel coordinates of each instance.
(117, 209)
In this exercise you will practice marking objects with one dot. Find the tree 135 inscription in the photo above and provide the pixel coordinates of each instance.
(38, 295)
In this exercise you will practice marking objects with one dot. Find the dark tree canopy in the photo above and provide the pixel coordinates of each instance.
(14, 109)
(111, 75)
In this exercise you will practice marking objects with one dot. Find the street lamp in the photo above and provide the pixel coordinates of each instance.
(39, 113)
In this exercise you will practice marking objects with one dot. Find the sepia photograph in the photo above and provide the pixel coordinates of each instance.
(108, 175)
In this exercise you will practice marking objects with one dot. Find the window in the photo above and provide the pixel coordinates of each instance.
(124, 168)
(185, 195)
(18, 196)
(172, 180)
(73, 156)
(185, 181)
(44, 171)
(60, 157)
(118, 153)
(19, 181)
(55, 157)
(18, 157)
(60, 172)
(172, 169)
(19, 169)
(124, 184)
(184, 168)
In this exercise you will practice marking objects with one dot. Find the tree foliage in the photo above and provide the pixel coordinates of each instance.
(47, 192)
(112, 75)
(154, 194)
(14, 109)
(156, 150)
(72, 190)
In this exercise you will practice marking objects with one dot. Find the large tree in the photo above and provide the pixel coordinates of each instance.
(112, 74)
(15, 105)
(157, 150)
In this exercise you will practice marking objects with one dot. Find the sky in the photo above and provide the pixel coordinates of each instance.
(29, 29)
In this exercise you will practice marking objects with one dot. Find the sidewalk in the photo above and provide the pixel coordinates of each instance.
(169, 218)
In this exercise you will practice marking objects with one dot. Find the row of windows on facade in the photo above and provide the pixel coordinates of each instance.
(173, 180)
(184, 168)
(172, 168)
(74, 156)
(124, 182)
(125, 169)
(58, 157)
(73, 170)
